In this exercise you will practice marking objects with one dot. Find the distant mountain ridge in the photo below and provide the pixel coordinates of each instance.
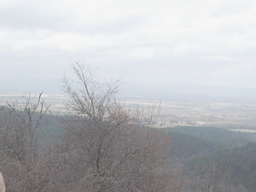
(188, 92)
(148, 91)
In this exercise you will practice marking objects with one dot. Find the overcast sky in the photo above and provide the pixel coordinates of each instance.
(200, 42)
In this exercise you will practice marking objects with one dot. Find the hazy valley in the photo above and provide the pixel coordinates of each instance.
(206, 137)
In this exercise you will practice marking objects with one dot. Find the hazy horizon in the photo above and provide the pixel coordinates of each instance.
(156, 92)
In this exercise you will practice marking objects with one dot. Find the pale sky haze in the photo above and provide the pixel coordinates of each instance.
(198, 42)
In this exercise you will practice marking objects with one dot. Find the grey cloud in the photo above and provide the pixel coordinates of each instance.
(232, 9)
(119, 25)
(32, 16)
(137, 46)
(29, 16)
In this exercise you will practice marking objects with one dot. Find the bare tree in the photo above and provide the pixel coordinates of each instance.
(26, 162)
(107, 147)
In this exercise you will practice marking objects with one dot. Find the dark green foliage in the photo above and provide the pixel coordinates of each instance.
(220, 158)
(185, 146)
(226, 138)
(239, 163)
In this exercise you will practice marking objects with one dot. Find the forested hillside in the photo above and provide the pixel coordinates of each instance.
(211, 155)
(237, 165)
(100, 145)
(97, 145)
